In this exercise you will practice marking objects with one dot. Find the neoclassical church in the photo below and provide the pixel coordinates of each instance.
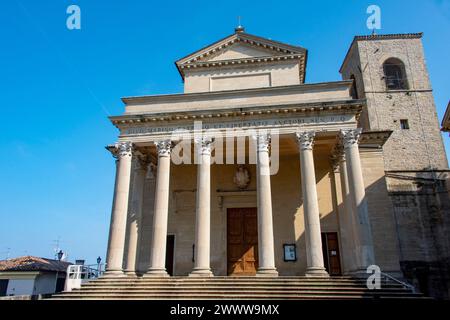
(253, 172)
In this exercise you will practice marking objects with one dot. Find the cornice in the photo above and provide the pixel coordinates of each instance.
(241, 61)
(416, 35)
(278, 47)
(374, 138)
(345, 106)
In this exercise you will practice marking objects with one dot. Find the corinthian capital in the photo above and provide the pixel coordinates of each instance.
(122, 149)
(350, 137)
(305, 139)
(164, 147)
(204, 144)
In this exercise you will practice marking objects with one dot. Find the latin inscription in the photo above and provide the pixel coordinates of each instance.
(240, 124)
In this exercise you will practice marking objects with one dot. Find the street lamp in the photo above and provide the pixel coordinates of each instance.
(60, 255)
(99, 260)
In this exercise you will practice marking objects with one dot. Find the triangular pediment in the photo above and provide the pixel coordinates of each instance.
(239, 50)
(242, 47)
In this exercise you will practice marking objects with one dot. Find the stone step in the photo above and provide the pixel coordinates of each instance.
(240, 285)
(338, 297)
(235, 296)
(232, 279)
(266, 288)
(234, 288)
(237, 293)
(230, 282)
(154, 282)
(112, 287)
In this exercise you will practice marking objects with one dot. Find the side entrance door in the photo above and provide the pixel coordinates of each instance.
(330, 248)
(242, 241)
(170, 246)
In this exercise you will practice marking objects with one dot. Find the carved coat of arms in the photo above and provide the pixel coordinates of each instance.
(241, 177)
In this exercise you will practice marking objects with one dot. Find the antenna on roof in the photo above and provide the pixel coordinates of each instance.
(8, 252)
(239, 28)
(56, 248)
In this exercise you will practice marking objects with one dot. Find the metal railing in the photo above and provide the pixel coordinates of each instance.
(76, 271)
(404, 284)
(77, 274)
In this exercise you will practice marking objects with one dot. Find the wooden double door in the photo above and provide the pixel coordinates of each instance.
(242, 241)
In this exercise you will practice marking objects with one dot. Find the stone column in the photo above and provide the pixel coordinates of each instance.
(135, 214)
(203, 209)
(346, 217)
(266, 254)
(159, 232)
(145, 232)
(117, 229)
(364, 251)
(314, 255)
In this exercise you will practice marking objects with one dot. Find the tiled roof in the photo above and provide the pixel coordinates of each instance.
(29, 263)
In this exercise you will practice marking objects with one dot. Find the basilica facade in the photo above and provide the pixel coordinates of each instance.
(253, 172)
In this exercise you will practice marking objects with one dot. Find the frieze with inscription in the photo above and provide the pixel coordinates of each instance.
(273, 123)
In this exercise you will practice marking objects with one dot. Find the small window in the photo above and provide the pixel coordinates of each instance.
(404, 124)
(395, 75)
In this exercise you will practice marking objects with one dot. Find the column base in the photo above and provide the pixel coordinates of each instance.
(270, 272)
(316, 272)
(113, 273)
(201, 273)
(155, 273)
(131, 273)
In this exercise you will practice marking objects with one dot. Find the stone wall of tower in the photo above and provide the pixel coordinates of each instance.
(423, 222)
(420, 147)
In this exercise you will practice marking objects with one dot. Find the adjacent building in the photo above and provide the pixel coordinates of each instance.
(32, 276)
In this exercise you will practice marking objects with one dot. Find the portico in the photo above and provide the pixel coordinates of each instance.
(155, 155)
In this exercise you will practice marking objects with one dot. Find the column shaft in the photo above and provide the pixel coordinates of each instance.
(348, 236)
(364, 252)
(145, 232)
(314, 255)
(135, 216)
(203, 208)
(266, 253)
(117, 230)
(160, 218)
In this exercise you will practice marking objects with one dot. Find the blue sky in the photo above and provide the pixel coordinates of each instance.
(58, 86)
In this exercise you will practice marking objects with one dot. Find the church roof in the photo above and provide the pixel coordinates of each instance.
(260, 50)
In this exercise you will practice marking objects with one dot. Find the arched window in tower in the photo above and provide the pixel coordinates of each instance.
(354, 89)
(395, 75)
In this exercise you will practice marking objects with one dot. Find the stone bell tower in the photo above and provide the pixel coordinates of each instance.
(390, 73)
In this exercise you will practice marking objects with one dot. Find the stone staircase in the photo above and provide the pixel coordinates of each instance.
(242, 288)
